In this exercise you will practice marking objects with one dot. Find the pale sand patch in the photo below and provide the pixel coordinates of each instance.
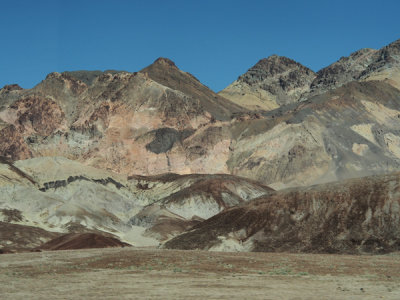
(251, 98)
(231, 245)
(382, 114)
(391, 76)
(365, 130)
(135, 237)
(393, 143)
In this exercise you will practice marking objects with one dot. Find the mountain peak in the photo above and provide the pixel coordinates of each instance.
(362, 64)
(275, 64)
(164, 61)
(270, 83)
(165, 72)
(277, 57)
(278, 75)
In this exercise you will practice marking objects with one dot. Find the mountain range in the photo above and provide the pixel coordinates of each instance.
(155, 157)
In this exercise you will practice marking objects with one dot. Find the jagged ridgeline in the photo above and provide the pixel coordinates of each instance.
(338, 123)
(145, 156)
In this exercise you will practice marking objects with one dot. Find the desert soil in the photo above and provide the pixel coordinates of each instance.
(133, 273)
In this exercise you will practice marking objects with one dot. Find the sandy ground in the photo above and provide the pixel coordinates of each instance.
(131, 273)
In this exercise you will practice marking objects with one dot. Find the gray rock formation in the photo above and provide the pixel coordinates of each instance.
(365, 64)
(348, 132)
(277, 81)
(272, 82)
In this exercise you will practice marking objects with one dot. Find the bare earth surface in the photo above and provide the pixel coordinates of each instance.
(132, 273)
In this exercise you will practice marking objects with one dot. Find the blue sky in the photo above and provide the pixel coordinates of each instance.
(214, 40)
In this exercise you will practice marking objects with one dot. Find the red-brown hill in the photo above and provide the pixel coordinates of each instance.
(82, 241)
(353, 216)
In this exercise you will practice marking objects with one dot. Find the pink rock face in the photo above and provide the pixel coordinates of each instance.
(12, 144)
(27, 117)
(38, 115)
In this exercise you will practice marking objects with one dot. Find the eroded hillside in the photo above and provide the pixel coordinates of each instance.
(355, 216)
(45, 197)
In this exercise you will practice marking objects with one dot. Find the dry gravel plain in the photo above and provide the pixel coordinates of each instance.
(134, 273)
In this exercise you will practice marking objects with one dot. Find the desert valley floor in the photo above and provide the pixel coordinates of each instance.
(134, 273)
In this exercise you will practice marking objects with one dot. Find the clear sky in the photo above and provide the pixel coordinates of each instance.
(214, 40)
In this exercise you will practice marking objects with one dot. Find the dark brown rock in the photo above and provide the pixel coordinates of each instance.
(356, 216)
(82, 241)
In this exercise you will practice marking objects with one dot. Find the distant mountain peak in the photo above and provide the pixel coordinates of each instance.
(164, 61)
(275, 60)
(271, 82)
(165, 72)
(363, 64)
(276, 57)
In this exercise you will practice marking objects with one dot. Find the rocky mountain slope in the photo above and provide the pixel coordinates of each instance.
(145, 156)
(362, 65)
(356, 216)
(119, 120)
(277, 81)
(348, 132)
(162, 120)
(165, 72)
(52, 195)
(272, 82)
